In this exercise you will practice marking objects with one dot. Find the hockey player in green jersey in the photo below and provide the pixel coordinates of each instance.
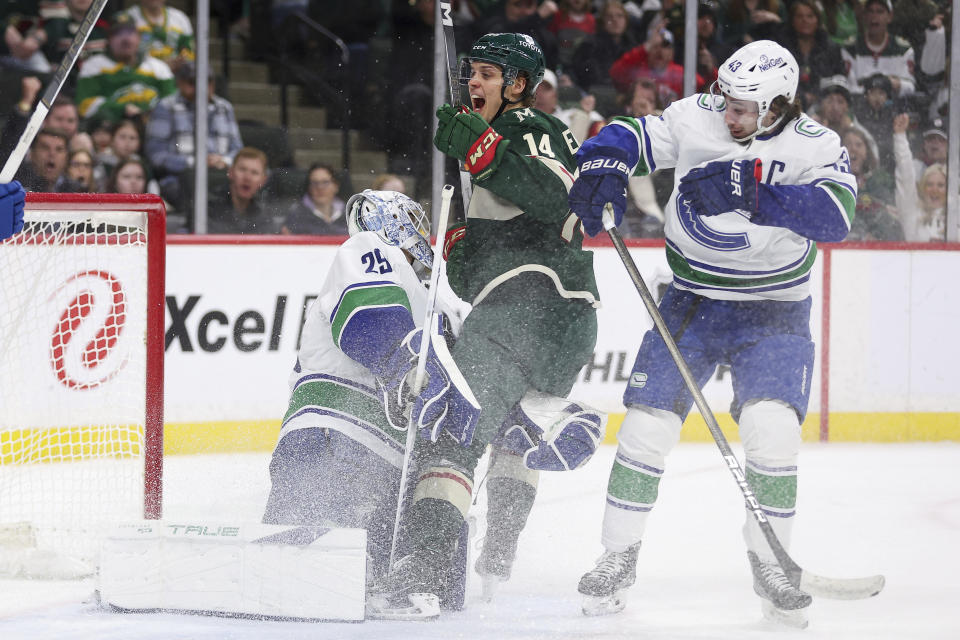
(519, 261)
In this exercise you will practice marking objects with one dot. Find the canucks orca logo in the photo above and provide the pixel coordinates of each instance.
(809, 128)
(696, 227)
(638, 380)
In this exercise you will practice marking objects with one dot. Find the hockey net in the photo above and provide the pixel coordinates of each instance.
(81, 378)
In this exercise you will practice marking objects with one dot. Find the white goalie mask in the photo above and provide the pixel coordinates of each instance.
(760, 71)
(397, 219)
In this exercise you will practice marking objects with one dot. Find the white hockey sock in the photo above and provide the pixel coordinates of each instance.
(770, 431)
(645, 438)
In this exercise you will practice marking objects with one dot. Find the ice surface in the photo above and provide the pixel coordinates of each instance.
(863, 509)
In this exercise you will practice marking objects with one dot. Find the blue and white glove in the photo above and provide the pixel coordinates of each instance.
(723, 186)
(446, 402)
(603, 171)
(12, 197)
(551, 433)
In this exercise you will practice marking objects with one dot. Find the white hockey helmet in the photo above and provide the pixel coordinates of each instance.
(396, 218)
(760, 71)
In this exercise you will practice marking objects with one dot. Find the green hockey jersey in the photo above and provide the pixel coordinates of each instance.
(518, 220)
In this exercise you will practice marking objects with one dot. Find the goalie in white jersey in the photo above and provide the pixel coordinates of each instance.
(341, 445)
(757, 184)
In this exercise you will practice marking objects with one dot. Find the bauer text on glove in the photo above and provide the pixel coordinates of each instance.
(603, 168)
(722, 186)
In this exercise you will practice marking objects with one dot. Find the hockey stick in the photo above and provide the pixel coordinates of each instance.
(446, 19)
(56, 83)
(438, 264)
(836, 588)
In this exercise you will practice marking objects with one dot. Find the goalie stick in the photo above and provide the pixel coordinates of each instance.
(56, 83)
(449, 43)
(816, 585)
(438, 266)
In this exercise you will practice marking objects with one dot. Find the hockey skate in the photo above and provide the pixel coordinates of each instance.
(781, 601)
(493, 566)
(409, 591)
(604, 587)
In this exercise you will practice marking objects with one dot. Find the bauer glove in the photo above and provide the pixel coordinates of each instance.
(602, 178)
(719, 187)
(12, 197)
(466, 136)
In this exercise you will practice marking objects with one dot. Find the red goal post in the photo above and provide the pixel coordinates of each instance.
(81, 372)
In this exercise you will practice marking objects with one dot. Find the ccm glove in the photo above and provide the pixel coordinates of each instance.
(466, 136)
(446, 402)
(603, 171)
(12, 197)
(719, 187)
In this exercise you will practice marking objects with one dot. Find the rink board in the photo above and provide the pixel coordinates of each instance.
(233, 327)
(235, 308)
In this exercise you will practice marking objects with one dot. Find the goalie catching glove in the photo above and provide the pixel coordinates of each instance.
(719, 187)
(466, 136)
(552, 433)
(445, 402)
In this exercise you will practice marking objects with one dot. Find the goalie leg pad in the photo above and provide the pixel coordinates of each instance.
(552, 433)
(258, 570)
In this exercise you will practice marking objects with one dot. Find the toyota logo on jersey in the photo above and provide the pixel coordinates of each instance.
(82, 347)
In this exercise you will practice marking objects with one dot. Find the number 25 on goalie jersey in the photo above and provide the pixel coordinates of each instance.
(371, 295)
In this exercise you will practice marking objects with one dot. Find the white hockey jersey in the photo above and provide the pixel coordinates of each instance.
(330, 390)
(727, 256)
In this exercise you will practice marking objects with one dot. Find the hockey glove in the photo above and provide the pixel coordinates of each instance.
(603, 173)
(453, 236)
(466, 136)
(12, 198)
(725, 186)
(552, 433)
(445, 402)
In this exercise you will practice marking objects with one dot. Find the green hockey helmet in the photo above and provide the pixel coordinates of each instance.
(512, 52)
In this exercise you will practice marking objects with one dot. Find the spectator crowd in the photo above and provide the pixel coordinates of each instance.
(874, 71)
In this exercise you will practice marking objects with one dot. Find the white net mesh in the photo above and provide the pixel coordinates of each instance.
(73, 300)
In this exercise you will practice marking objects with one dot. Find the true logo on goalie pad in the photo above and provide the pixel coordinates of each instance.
(202, 530)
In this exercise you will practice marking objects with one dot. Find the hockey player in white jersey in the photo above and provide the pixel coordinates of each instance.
(12, 198)
(339, 453)
(757, 184)
(341, 446)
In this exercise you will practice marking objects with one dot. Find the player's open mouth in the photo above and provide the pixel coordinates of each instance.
(478, 102)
